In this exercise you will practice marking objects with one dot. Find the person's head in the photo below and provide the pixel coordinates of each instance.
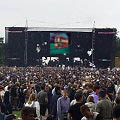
(90, 99)
(85, 111)
(89, 87)
(118, 82)
(79, 91)
(117, 100)
(65, 91)
(78, 96)
(28, 113)
(46, 87)
(116, 113)
(102, 94)
(96, 88)
(69, 84)
(57, 90)
(32, 97)
(1, 87)
(43, 86)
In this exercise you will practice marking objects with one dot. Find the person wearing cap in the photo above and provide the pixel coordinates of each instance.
(104, 106)
(63, 104)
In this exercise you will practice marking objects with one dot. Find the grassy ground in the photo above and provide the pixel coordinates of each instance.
(117, 61)
(17, 113)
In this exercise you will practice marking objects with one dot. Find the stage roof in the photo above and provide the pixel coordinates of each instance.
(59, 29)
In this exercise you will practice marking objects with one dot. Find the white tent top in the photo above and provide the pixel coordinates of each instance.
(59, 29)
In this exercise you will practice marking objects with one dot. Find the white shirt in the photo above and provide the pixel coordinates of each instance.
(117, 87)
(73, 102)
(94, 117)
(91, 106)
(37, 106)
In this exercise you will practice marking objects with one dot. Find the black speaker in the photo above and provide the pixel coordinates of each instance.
(104, 47)
(15, 46)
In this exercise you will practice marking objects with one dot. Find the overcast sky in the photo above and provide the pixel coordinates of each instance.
(60, 13)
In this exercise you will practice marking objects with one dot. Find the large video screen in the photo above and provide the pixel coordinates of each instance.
(59, 43)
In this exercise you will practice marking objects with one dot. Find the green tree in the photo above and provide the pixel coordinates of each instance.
(117, 46)
(2, 53)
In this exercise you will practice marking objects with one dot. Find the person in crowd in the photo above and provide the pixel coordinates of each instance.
(2, 91)
(93, 92)
(32, 102)
(53, 90)
(89, 115)
(104, 106)
(43, 101)
(111, 90)
(71, 91)
(48, 89)
(63, 105)
(2, 109)
(14, 96)
(74, 101)
(7, 101)
(21, 96)
(2, 116)
(117, 86)
(74, 112)
(37, 87)
(90, 103)
(28, 113)
(54, 102)
(116, 113)
(2, 106)
(117, 101)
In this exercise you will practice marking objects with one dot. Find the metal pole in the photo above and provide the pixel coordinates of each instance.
(26, 43)
(93, 42)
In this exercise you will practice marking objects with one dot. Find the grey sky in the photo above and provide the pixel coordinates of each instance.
(60, 13)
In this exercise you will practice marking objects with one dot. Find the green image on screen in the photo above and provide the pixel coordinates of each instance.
(59, 43)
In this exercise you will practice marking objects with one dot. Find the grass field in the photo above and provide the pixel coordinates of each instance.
(17, 113)
(117, 61)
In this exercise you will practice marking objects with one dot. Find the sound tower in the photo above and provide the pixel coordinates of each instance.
(15, 39)
(104, 47)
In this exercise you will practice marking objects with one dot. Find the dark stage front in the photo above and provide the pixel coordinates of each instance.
(60, 46)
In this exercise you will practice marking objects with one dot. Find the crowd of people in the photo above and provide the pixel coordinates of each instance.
(56, 93)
